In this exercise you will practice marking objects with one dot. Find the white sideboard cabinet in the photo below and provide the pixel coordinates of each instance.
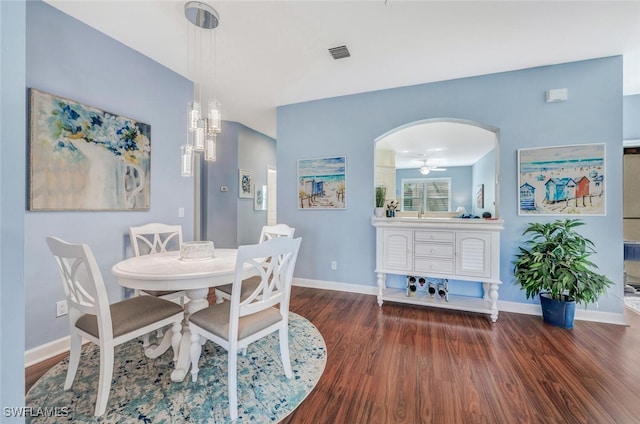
(443, 248)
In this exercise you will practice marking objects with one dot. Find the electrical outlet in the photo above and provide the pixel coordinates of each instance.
(334, 265)
(61, 308)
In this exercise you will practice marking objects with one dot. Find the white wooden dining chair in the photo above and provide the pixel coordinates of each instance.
(268, 232)
(107, 325)
(150, 239)
(235, 324)
(153, 238)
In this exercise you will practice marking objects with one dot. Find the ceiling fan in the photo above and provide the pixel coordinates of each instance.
(425, 169)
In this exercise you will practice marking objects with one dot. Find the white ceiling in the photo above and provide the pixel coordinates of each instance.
(272, 53)
(438, 144)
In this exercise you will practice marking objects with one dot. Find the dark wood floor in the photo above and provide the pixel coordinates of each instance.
(405, 364)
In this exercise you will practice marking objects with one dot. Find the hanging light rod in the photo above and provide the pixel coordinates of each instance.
(201, 15)
(204, 118)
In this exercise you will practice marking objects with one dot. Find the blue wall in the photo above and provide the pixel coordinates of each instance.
(512, 102)
(12, 188)
(232, 221)
(68, 58)
(484, 172)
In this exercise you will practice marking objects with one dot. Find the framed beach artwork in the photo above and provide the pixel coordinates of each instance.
(260, 197)
(83, 158)
(245, 184)
(322, 183)
(480, 196)
(562, 180)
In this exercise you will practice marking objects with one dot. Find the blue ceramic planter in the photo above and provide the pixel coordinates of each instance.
(557, 313)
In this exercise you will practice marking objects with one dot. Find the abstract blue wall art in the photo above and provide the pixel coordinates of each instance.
(83, 158)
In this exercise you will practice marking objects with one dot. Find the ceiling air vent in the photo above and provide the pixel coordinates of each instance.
(339, 52)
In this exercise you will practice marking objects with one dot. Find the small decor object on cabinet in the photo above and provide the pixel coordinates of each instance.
(260, 198)
(391, 208)
(381, 192)
(245, 185)
(83, 158)
(562, 180)
(322, 183)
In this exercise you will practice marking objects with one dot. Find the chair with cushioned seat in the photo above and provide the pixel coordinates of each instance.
(150, 239)
(153, 238)
(93, 318)
(239, 322)
(268, 232)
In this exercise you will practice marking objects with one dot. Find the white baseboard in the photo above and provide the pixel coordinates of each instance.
(46, 351)
(581, 313)
(332, 285)
(51, 349)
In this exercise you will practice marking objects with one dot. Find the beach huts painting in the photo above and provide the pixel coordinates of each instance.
(322, 183)
(562, 180)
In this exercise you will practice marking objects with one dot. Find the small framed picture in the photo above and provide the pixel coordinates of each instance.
(245, 184)
(260, 197)
(480, 196)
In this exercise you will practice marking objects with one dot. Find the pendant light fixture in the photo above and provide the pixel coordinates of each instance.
(204, 117)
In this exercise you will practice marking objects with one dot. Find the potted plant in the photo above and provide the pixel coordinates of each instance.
(391, 208)
(381, 192)
(554, 264)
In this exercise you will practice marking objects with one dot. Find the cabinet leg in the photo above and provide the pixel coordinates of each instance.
(493, 294)
(381, 286)
(485, 291)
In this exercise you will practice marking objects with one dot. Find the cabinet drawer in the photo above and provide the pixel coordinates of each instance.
(441, 266)
(441, 250)
(442, 236)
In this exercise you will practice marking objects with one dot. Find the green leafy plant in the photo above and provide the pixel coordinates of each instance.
(555, 260)
(381, 192)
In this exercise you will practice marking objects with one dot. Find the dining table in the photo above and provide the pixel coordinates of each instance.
(168, 271)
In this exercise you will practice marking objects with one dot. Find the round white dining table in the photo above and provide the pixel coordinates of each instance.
(167, 271)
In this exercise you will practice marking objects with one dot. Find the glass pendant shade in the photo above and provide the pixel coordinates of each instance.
(187, 161)
(194, 115)
(214, 119)
(210, 150)
(198, 140)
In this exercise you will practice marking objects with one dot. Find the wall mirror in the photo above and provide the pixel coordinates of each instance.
(440, 168)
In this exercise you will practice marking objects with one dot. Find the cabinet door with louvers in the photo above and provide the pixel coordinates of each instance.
(473, 254)
(398, 250)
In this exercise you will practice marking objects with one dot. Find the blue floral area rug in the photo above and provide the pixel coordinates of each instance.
(142, 390)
